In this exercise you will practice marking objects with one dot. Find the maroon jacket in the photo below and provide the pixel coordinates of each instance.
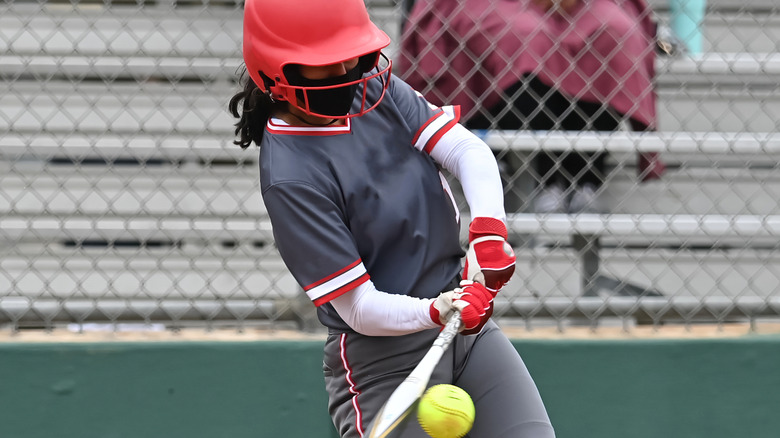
(465, 52)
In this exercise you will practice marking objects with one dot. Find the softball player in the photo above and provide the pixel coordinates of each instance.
(365, 221)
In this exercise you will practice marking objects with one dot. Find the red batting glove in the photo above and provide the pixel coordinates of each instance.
(473, 300)
(488, 312)
(489, 253)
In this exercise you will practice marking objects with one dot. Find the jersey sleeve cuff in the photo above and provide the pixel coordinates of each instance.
(431, 131)
(337, 284)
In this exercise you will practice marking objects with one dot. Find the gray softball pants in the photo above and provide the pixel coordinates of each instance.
(362, 371)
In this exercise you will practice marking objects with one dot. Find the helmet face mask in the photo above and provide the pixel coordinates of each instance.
(278, 36)
(333, 97)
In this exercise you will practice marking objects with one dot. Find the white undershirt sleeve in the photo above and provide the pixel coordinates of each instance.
(375, 313)
(473, 163)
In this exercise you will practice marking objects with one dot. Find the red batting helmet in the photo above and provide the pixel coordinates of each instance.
(278, 33)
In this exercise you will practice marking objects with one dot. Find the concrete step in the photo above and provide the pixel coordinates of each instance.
(68, 191)
(555, 272)
(36, 147)
(134, 228)
(62, 29)
(207, 272)
(121, 107)
(682, 191)
(695, 191)
(723, 93)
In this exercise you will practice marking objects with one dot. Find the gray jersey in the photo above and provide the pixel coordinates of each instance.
(364, 200)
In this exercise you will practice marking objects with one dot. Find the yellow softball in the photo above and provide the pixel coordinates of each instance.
(445, 411)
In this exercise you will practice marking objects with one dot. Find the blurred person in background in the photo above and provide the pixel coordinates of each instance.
(541, 65)
(350, 159)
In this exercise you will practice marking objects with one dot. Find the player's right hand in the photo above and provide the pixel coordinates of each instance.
(489, 254)
(472, 299)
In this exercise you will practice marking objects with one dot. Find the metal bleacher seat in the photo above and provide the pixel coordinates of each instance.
(124, 198)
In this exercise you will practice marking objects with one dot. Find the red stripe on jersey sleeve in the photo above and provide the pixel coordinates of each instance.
(333, 275)
(342, 290)
(436, 137)
(438, 114)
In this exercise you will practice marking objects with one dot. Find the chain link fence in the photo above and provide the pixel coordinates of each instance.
(123, 199)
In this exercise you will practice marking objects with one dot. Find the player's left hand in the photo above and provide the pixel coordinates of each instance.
(489, 253)
(472, 299)
(478, 283)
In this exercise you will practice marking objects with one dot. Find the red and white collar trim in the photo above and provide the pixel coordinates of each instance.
(279, 126)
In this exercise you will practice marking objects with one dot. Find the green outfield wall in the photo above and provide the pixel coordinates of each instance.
(709, 388)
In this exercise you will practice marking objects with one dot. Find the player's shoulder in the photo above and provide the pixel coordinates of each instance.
(401, 89)
(289, 158)
(407, 96)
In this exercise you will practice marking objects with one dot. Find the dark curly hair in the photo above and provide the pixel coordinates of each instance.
(253, 108)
